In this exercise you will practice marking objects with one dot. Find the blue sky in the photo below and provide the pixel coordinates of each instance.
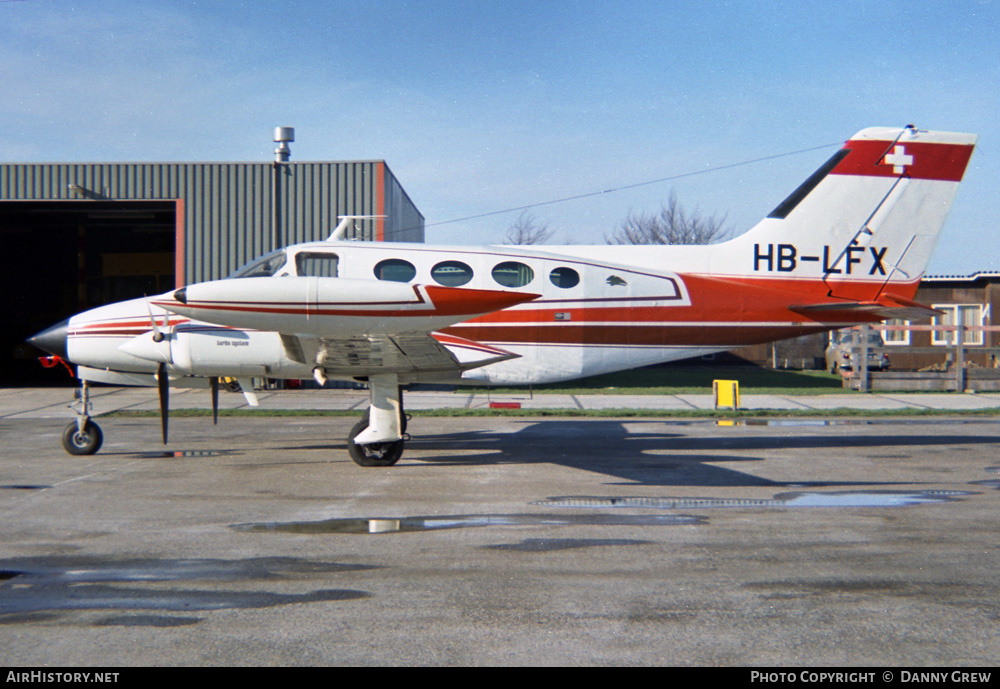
(484, 106)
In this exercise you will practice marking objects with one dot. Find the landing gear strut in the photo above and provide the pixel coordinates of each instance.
(377, 439)
(83, 436)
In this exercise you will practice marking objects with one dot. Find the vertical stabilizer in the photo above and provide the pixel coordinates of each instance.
(868, 219)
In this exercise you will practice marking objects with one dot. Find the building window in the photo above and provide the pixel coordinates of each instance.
(451, 273)
(513, 274)
(968, 315)
(896, 336)
(395, 270)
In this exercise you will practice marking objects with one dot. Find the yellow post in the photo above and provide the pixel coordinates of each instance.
(727, 394)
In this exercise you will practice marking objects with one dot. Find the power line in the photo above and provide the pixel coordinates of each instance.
(634, 186)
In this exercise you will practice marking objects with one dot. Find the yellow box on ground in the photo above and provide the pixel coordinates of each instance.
(727, 394)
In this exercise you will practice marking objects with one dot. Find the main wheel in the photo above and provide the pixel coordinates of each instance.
(372, 454)
(86, 443)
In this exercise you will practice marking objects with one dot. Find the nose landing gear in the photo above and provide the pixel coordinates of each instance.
(83, 436)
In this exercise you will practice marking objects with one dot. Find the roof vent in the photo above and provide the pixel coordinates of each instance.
(282, 135)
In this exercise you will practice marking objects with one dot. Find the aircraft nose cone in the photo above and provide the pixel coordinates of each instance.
(52, 340)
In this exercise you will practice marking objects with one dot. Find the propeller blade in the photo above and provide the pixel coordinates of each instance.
(163, 386)
(157, 334)
(214, 382)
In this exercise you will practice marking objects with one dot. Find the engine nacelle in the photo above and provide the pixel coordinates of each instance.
(198, 349)
(214, 351)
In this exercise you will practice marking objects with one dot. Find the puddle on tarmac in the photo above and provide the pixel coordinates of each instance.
(146, 621)
(139, 592)
(548, 545)
(410, 524)
(834, 499)
(993, 483)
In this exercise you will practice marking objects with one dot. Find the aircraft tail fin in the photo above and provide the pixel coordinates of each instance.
(866, 221)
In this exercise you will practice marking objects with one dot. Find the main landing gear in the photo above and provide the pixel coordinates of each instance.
(377, 439)
(83, 436)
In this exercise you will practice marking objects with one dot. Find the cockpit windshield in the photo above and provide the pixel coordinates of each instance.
(263, 267)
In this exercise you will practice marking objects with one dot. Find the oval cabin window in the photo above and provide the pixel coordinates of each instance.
(513, 274)
(564, 277)
(451, 273)
(395, 270)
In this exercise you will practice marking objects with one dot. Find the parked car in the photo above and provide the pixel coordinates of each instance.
(838, 352)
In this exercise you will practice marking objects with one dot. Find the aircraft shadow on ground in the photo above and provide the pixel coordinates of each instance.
(654, 457)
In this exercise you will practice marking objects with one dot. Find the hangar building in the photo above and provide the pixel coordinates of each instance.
(78, 235)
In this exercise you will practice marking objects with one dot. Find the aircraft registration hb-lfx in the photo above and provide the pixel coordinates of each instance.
(848, 246)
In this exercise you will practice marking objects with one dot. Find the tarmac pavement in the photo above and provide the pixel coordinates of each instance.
(53, 402)
(500, 540)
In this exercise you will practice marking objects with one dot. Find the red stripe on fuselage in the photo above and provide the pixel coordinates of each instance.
(725, 336)
(713, 300)
(723, 311)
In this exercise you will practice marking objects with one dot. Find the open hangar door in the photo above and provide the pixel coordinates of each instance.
(63, 257)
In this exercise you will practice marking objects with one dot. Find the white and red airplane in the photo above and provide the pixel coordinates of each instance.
(849, 246)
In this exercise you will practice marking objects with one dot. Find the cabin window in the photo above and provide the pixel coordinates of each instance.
(451, 273)
(395, 270)
(564, 277)
(513, 274)
(263, 267)
(316, 265)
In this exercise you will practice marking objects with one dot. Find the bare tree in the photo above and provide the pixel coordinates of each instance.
(672, 226)
(527, 230)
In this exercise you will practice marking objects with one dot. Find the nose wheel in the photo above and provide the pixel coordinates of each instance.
(83, 436)
(82, 441)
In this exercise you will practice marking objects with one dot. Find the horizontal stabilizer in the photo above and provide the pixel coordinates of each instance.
(888, 306)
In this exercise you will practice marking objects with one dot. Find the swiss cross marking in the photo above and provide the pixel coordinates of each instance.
(898, 159)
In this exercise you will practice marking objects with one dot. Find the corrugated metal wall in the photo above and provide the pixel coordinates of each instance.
(227, 208)
(404, 223)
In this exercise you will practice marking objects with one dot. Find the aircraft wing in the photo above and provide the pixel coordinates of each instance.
(334, 308)
(403, 353)
(349, 327)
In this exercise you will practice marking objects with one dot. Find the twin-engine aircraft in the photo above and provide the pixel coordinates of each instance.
(849, 246)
